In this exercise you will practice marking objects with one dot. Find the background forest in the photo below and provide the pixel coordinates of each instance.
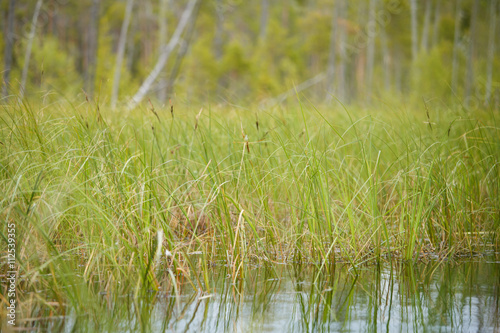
(235, 51)
(155, 149)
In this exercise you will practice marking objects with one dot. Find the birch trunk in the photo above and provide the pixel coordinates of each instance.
(165, 54)
(294, 91)
(168, 85)
(120, 53)
(27, 55)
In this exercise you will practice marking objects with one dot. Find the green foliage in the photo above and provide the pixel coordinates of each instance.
(315, 28)
(431, 74)
(51, 67)
(447, 28)
(201, 71)
(252, 67)
(234, 62)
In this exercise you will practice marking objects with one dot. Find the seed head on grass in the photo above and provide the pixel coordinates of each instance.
(197, 118)
(153, 110)
(245, 138)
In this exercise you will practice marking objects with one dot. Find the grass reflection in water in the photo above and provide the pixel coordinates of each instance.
(403, 297)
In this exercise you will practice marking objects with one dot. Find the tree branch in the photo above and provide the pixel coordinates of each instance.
(165, 54)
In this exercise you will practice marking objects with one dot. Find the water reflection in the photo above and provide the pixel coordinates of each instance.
(397, 298)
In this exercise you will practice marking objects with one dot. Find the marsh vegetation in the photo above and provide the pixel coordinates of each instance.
(204, 165)
(151, 200)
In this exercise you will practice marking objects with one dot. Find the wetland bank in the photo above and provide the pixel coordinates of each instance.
(204, 219)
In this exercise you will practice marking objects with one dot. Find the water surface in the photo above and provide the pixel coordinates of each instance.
(424, 297)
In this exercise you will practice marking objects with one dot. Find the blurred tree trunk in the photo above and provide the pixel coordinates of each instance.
(426, 28)
(437, 20)
(469, 81)
(9, 45)
(93, 36)
(332, 54)
(342, 91)
(414, 29)
(359, 77)
(131, 49)
(219, 29)
(120, 53)
(456, 40)
(162, 41)
(147, 30)
(27, 55)
(162, 22)
(491, 49)
(398, 72)
(386, 59)
(264, 18)
(168, 86)
(54, 21)
(370, 51)
(219, 41)
(164, 55)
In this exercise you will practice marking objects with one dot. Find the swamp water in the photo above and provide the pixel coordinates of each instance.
(424, 297)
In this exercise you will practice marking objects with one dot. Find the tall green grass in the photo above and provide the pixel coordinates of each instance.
(98, 196)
